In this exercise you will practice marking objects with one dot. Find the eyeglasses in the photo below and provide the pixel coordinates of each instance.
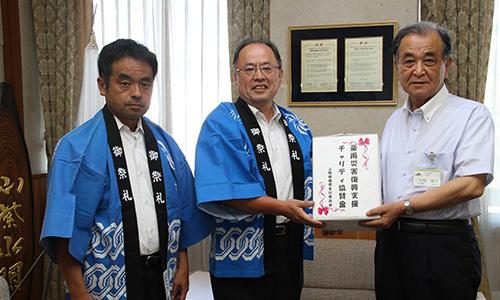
(250, 70)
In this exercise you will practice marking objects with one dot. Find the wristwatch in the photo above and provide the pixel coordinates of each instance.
(408, 209)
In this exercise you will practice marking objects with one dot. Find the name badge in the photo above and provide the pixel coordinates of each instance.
(426, 177)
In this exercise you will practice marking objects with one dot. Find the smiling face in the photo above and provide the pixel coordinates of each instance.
(259, 88)
(128, 93)
(421, 66)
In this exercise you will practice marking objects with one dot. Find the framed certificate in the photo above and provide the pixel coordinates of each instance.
(319, 66)
(342, 65)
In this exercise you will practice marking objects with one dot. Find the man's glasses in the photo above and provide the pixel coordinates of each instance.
(250, 70)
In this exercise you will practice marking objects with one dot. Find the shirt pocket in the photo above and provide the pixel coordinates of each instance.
(442, 161)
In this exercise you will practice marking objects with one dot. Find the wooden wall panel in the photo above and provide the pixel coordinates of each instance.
(12, 51)
(16, 200)
(354, 235)
(39, 199)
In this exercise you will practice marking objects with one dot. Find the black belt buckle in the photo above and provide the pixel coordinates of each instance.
(280, 229)
(152, 261)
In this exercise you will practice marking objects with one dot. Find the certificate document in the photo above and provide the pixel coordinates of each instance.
(346, 179)
(319, 66)
(363, 64)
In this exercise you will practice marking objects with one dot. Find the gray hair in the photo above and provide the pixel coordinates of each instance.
(247, 42)
(422, 28)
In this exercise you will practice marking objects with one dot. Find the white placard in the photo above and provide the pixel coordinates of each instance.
(346, 179)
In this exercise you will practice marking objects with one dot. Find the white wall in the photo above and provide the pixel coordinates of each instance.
(329, 120)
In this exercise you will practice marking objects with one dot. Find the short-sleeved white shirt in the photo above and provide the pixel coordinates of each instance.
(142, 188)
(277, 149)
(448, 133)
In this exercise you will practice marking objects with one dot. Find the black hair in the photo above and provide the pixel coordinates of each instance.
(124, 48)
(422, 28)
(247, 42)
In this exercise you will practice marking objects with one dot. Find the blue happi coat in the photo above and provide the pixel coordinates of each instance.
(83, 205)
(226, 169)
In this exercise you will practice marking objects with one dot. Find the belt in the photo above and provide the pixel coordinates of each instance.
(281, 229)
(431, 226)
(151, 261)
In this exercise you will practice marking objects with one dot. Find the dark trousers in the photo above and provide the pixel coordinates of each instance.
(283, 279)
(427, 264)
(152, 278)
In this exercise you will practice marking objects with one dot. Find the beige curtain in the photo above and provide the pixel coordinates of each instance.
(246, 19)
(62, 30)
(61, 33)
(469, 23)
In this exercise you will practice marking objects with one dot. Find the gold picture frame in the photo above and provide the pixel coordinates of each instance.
(342, 65)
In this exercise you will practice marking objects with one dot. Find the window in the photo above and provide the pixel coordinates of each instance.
(490, 217)
(492, 93)
(140, 20)
(190, 39)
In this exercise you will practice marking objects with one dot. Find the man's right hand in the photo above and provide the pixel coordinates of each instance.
(71, 270)
(295, 212)
(83, 296)
(292, 209)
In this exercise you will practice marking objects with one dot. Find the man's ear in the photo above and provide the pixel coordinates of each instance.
(281, 75)
(395, 62)
(447, 66)
(102, 86)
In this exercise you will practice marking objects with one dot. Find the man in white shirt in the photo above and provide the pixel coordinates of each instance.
(437, 158)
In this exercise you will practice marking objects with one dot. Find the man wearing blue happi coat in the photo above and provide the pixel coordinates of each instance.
(120, 205)
(253, 173)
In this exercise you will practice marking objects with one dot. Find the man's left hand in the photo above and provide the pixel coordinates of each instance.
(181, 279)
(388, 212)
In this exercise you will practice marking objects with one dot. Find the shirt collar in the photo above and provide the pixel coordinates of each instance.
(258, 114)
(121, 125)
(431, 106)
